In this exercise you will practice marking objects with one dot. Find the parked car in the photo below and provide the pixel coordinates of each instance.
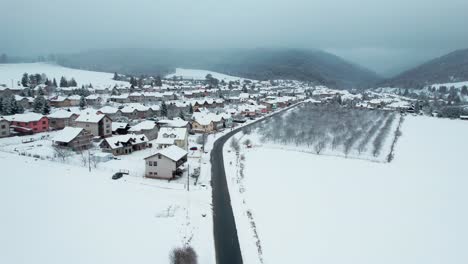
(117, 175)
(193, 148)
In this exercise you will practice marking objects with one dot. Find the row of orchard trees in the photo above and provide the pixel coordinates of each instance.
(330, 128)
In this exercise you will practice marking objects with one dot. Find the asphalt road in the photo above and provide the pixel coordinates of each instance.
(225, 232)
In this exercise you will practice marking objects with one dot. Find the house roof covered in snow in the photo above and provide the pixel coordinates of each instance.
(90, 117)
(173, 152)
(108, 110)
(118, 125)
(27, 117)
(176, 122)
(67, 134)
(145, 125)
(177, 133)
(61, 114)
(116, 142)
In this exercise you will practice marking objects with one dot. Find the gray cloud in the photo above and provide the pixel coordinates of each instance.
(369, 32)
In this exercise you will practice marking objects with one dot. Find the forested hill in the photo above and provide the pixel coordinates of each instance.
(261, 64)
(452, 67)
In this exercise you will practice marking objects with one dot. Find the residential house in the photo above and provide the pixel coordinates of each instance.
(203, 122)
(136, 111)
(124, 144)
(25, 102)
(110, 111)
(74, 100)
(59, 101)
(28, 123)
(62, 118)
(93, 99)
(123, 98)
(147, 128)
(166, 163)
(168, 136)
(73, 138)
(100, 125)
(4, 127)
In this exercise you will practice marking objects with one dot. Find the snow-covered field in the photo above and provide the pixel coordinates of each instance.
(201, 74)
(16, 70)
(309, 208)
(58, 213)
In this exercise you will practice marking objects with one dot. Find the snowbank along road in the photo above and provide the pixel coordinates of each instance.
(225, 233)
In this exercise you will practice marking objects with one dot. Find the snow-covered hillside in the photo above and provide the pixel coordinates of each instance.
(201, 74)
(15, 71)
(307, 208)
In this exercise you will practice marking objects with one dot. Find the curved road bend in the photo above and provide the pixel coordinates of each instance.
(224, 226)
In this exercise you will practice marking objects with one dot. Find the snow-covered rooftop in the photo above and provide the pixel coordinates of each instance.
(67, 134)
(172, 152)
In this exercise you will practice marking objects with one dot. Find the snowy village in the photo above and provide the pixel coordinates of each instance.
(233, 132)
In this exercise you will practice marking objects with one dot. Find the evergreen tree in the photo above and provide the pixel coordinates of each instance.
(181, 115)
(72, 83)
(25, 80)
(54, 83)
(38, 104)
(46, 108)
(13, 105)
(190, 109)
(164, 109)
(63, 82)
(464, 90)
(406, 93)
(32, 80)
(40, 92)
(82, 102)
(38, 78)
(141, 81)
(19, 109)
(158, 81)
(116, 77)
(133, 81)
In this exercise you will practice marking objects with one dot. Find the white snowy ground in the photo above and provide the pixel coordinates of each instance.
(323, 209)
(16, 70)
(58, 213)
(201, 74)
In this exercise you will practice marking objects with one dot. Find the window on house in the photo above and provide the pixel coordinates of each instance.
(3, 126)
(150, 163)
(43, 122)
(150, 173)
(159, 156)
(155, 163)
(34, 123)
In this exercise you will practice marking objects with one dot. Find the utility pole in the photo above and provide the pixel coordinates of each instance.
(89, 160)
(188, 177)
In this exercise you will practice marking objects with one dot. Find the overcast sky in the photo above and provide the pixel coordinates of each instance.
(382, 35)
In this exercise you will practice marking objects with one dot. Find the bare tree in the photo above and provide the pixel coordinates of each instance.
(184, 255)
(61, 153)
